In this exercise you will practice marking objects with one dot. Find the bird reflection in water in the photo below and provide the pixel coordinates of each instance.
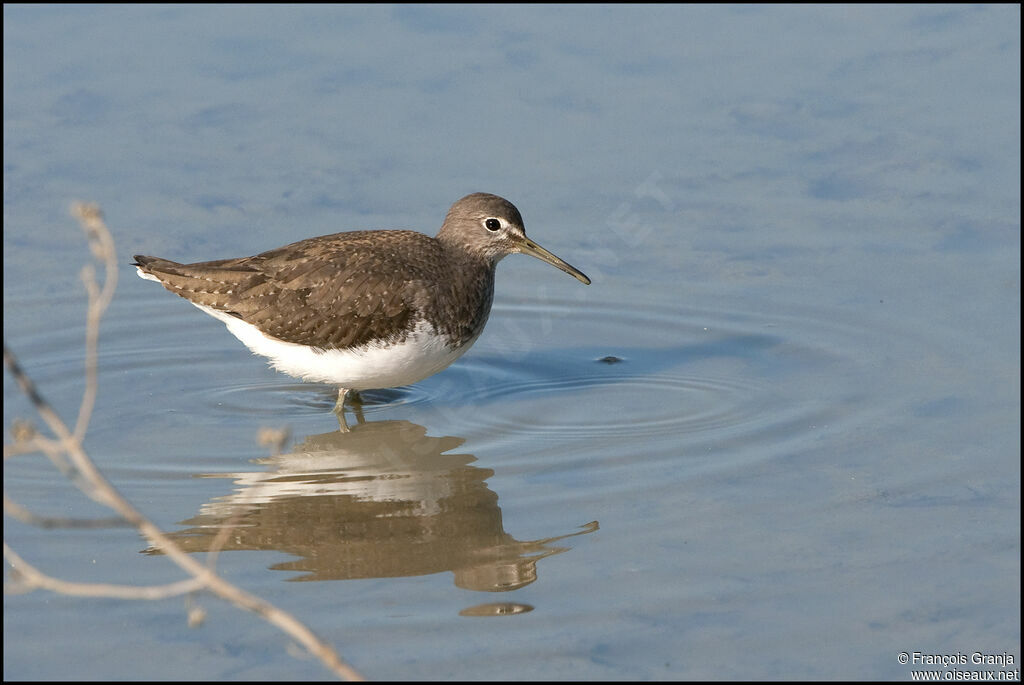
(382, 500)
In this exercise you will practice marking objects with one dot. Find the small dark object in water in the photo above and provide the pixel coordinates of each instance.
(611, 359)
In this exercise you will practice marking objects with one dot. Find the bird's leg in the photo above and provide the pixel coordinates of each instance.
(357, 406)
(339, 410)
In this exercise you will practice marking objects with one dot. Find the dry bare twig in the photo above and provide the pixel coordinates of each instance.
(65, 450)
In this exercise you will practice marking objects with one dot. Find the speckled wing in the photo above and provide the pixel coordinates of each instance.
(330, 292)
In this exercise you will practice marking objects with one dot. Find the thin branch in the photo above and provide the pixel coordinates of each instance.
(34, 578)
(96, 486)
(101, 242)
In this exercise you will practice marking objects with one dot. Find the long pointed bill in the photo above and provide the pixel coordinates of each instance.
(527, 246)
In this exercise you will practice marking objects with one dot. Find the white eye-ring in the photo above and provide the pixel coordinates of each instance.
(492, 224)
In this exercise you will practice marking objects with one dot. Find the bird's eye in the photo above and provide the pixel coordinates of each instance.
(492, 224)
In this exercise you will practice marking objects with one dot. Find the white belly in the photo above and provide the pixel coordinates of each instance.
(422, 354)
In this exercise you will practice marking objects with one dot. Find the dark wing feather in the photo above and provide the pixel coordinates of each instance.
(334, 291)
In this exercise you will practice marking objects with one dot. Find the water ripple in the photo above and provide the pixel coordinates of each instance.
(651, 370)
